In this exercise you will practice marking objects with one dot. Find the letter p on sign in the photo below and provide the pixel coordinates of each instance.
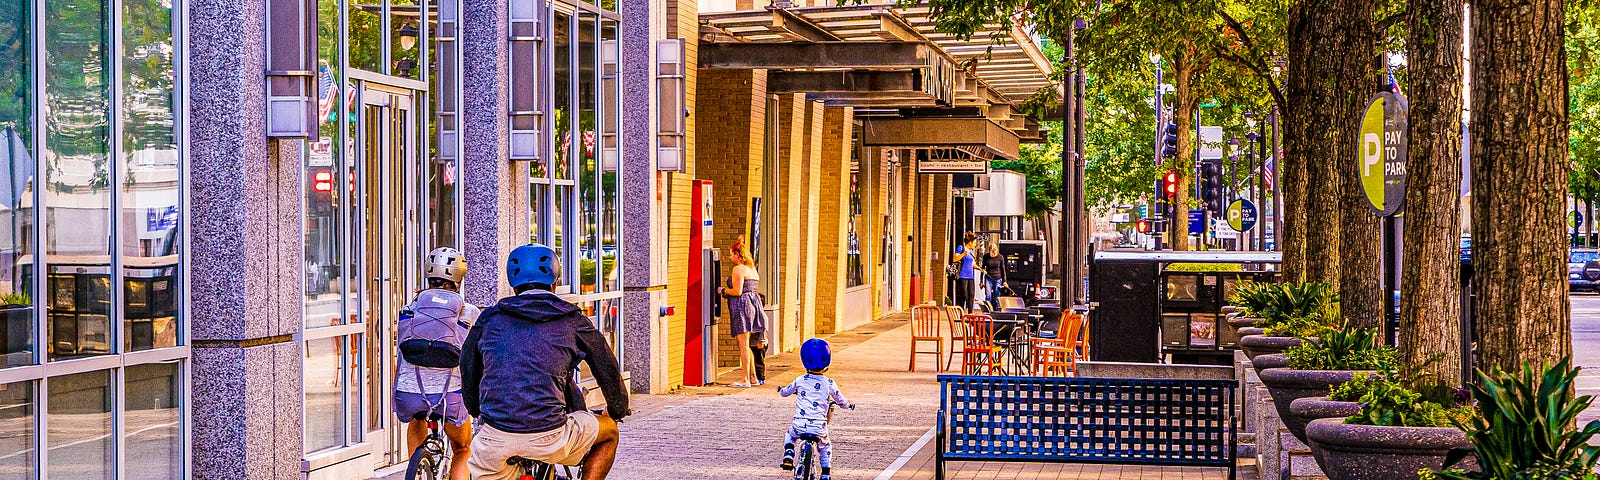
(1372, 152)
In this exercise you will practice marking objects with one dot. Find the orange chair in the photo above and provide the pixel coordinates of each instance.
(979, 351)
(958, 332)
(925, 320)
(1050, 358)
(1076, 331)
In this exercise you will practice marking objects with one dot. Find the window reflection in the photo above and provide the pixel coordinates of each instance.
(151, 201)
(588, 193)
(151, 422)
(16, 192)
(562, 78)
(324, 394)
(610, 215)
(366, 36)
(325, 182)
(80, 440)
(77, 177)
(404, 35)
(17, 432)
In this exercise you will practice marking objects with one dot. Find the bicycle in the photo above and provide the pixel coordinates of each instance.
(805, 452)
(431, 460)
(536, 470)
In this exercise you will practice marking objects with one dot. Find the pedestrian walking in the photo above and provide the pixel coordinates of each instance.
(994, 272)
(747, 315)
(965, 258)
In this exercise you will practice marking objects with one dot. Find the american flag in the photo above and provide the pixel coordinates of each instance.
(325, 100)
(1268, 172)
(1394, 86)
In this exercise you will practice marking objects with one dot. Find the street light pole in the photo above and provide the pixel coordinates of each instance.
(1158, 205)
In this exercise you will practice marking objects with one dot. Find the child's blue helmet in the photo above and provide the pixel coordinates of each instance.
(815, 354)
(532, 263)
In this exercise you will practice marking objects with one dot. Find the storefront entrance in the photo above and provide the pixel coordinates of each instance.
(392, 245)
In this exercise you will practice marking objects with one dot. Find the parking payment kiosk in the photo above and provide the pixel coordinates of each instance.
(705, 301)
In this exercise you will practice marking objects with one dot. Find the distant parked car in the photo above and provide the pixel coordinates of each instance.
(1466, 249)
(1577, 261)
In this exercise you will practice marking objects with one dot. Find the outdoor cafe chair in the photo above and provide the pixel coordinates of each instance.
(925, 327)
(1050, 358)
(958, 332)
(979, 352)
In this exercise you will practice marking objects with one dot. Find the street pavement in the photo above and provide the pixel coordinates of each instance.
(1586, 347)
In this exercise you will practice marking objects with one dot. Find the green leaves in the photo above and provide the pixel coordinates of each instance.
(1335, 349)
(1298, 309)
(1525, 428)
(1390, 404)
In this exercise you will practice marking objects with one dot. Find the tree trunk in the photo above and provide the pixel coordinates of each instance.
(1519, 179)
(1430, 285)
(1313, 124)
(1183, 117)
(1360, 238)
(1291, 175)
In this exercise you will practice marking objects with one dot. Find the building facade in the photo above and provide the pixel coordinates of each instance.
(217, 207)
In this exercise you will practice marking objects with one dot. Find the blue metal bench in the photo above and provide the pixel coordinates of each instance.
(1129, 421)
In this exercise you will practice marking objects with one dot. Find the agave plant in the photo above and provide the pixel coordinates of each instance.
(1525, 427)
(1333, 349)
(1252, 297)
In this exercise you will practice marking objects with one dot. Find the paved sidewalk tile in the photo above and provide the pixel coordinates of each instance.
(725, 433)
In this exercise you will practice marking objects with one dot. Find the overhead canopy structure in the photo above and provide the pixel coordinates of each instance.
(885, 60)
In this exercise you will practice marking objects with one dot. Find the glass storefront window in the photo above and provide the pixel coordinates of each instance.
(16, 194)
(151, 421)
(366, 35)
(404, 36)
(18, 431)
(325, 415)
(562, 78)
(853, 265)
(80, 439)
(78, 180)
(151, 202)
(588, 191)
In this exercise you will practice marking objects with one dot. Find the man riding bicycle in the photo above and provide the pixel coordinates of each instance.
(517, 368)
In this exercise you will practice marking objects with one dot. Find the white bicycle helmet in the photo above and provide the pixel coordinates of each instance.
(445, 263)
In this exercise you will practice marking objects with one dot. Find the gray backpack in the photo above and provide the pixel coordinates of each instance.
(432, 331)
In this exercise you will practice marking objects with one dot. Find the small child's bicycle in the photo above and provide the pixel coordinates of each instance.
(805, 452)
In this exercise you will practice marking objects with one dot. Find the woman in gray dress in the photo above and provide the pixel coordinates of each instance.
(747, 320)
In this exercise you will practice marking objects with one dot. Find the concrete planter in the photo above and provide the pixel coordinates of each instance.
(1271, 360)
(1254, 345)
(1305, 410)
(1287, 385)
(1242, 322)
(1248, 331)
(1367, 452)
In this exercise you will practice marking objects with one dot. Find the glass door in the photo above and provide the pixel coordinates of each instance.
(388, 168)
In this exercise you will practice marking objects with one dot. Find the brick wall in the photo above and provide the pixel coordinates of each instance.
(813, 192)
(791, 151)
(833, 205)
(731, 128)
(684, 22)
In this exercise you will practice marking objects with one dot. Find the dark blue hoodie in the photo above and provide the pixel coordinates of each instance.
(519, 359)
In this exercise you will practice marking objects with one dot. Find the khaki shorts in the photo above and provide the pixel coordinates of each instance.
(566, 446)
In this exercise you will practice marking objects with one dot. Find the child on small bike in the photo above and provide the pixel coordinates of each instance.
(816, 394)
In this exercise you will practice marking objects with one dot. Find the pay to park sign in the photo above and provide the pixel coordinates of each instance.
(1383, 153)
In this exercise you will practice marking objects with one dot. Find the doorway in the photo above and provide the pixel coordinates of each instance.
(387, 168)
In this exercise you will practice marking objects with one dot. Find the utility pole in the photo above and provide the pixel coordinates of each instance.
(1080, 203)
(1067, 239)
(1158, 204)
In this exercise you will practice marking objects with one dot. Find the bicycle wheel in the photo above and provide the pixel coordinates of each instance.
(803, 463)
(424, 466)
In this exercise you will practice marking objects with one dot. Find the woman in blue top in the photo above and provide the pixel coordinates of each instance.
(964, 257)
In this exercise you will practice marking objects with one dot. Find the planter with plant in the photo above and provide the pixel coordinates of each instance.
(1247, 302)
(1526, 428)
(1270, 360)
(1290, 312)
(1343, 401)
(1317, 365)
(1397, 432)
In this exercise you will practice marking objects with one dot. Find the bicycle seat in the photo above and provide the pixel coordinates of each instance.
(428, 416)
(520, 462)
(809, 437)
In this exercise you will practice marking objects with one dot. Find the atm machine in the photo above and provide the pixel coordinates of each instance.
(705, 301)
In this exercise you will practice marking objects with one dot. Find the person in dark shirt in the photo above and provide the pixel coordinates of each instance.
(517, 368)
(994, 269)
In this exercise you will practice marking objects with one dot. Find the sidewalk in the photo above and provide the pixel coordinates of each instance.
(725, 433)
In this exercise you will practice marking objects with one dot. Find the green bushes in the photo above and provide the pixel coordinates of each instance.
(1333, 349)
(1525, 430)
(1390, 403)
(1300, 309)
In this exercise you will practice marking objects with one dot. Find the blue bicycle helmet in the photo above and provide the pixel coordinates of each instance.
(815, 354)
(532, 263)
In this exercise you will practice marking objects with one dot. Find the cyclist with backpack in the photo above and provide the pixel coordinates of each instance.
(427, 377)
(518, 368)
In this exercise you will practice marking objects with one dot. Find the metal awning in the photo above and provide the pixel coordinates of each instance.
(977, 137)
(995, 66)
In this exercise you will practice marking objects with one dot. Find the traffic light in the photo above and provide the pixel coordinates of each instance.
(1144, 226)
(1169, 141)
(1211, 185)
(1169, 184)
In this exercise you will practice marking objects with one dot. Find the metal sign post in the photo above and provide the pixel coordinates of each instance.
(1382, 164)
